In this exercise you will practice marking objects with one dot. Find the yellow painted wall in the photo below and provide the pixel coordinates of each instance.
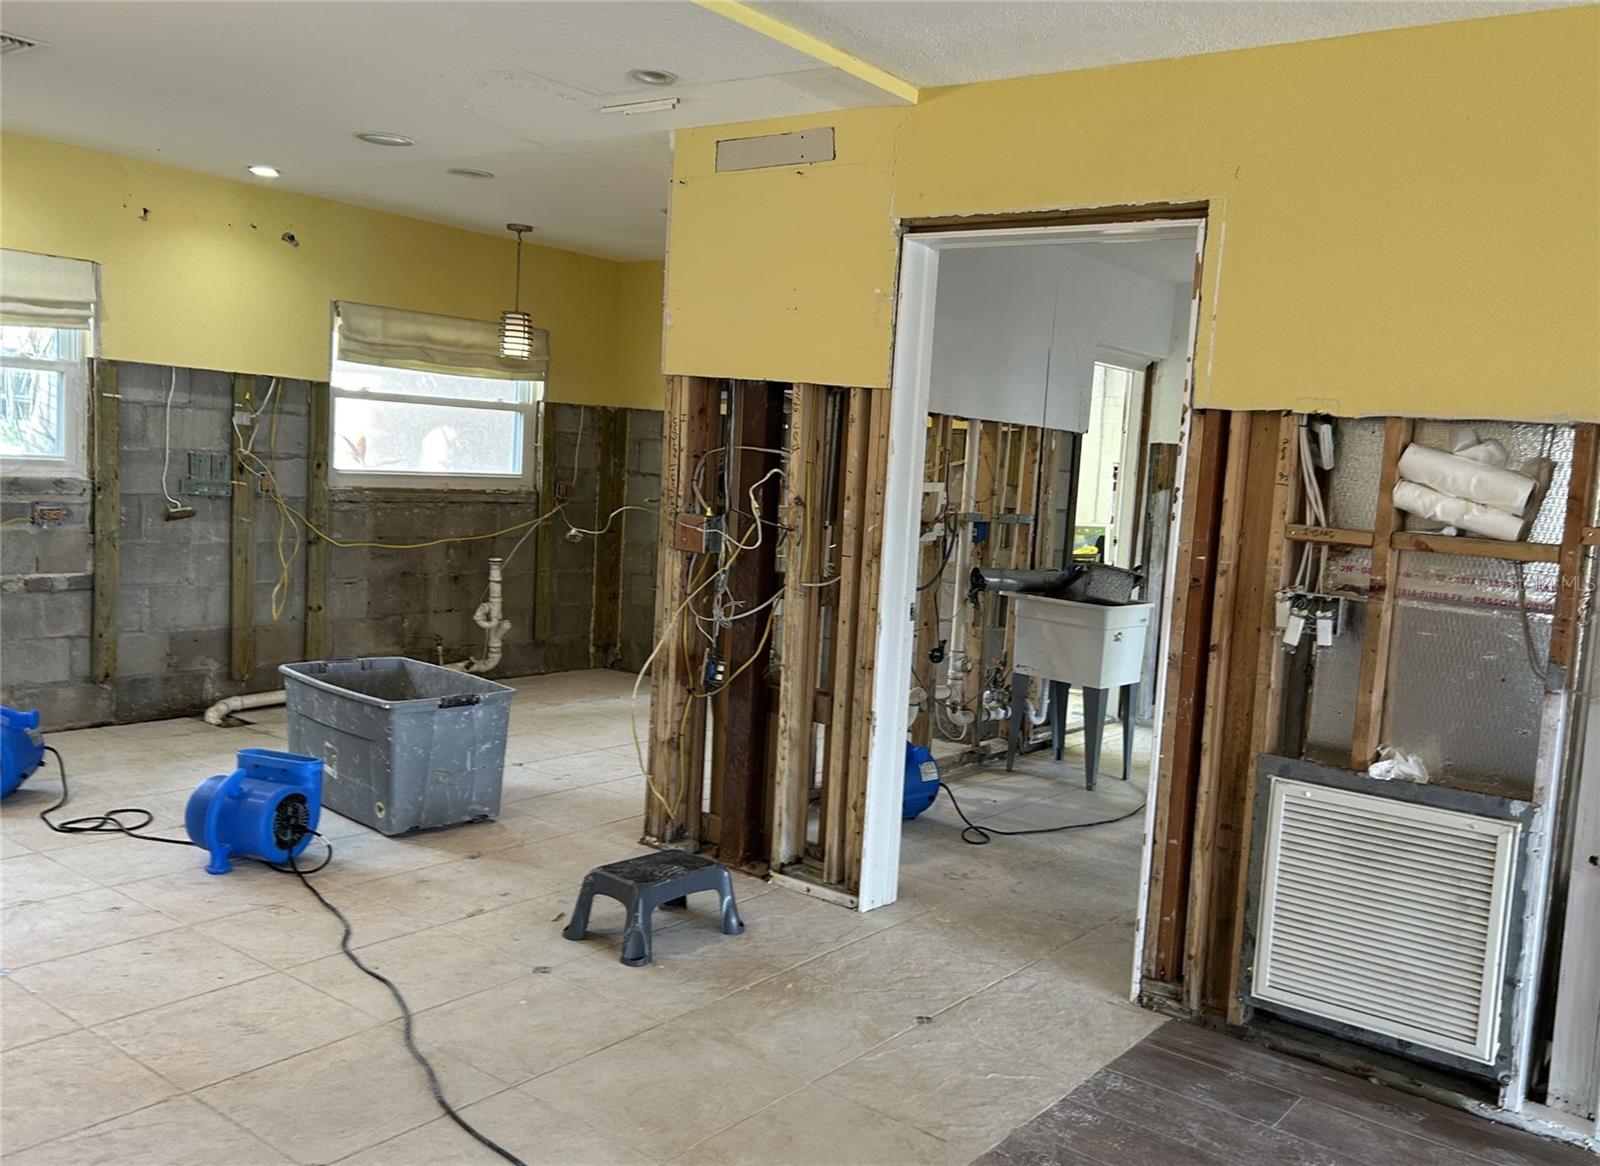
(640, 381)
(205, 281)
(1404, 221)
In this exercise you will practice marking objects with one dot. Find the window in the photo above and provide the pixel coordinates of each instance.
(424, 400)
(43, 384)
(46, 317)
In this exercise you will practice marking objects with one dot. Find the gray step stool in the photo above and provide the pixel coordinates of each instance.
(664, 879)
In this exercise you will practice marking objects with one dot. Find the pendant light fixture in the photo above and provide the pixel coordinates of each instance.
(516, 326)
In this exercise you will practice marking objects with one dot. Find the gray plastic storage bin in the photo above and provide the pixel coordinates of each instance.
(404, 745)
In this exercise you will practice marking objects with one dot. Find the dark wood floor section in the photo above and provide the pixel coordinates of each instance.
(1186, 1096)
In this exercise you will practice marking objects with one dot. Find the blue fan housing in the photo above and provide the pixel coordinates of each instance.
(267, 808)
(922, 781)
(21, 747)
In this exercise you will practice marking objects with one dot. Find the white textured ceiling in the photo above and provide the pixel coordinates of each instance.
(513, 88)
(956, 42)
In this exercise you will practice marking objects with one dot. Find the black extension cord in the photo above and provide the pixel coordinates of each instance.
(975, 835)
(110, 822)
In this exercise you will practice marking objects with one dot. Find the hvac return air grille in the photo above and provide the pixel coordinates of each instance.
(1385, 916)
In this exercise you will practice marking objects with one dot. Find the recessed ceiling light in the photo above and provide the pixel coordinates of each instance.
(469, 172)
(380, 138)
(261, 171)
(653, 76)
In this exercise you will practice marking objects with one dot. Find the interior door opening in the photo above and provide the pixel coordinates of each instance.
(1038, 433)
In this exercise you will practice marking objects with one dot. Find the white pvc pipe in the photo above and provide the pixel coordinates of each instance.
(218, 713)
(489, 617)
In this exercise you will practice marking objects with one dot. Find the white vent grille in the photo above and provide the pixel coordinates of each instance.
(1386, 916)
(15, 44)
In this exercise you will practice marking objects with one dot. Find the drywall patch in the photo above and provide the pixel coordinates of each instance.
(792, 149)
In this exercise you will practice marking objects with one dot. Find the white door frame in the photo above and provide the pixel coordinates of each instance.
(913, 352)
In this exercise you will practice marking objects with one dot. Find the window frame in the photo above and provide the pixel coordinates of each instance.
(72, 462)
(529, 412)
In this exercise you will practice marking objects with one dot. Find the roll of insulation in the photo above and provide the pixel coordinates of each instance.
(1490, 453)
(1471, 517)
(1461, 477)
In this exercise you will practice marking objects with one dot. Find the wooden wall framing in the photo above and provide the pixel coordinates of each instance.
(789, 728)
(1225, 677)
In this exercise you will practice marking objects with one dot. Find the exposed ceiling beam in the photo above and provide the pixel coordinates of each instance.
(821, 50)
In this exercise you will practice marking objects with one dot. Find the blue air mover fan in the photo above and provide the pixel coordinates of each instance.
(267, 808)
(21, 747)
(922, 781)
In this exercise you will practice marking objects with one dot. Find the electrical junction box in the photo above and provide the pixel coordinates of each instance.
(48, 514)
(210, 476)
(699, 534)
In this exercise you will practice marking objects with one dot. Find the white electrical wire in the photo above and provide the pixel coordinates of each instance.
(173, 505)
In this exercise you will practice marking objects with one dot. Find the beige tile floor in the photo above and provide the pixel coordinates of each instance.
(151, 1013)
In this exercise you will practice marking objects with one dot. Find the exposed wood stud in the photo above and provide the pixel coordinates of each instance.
(544, 538)
(932, 554)
(317, 439)
(1177, 772)
(1379, 628)
(1581, 490)
(877, 477)
(1266, 706)
(107, 520)
(846, 713)
(744, 708)
(1487, 548)
(980, 486)
(1335, 536)
(242, 536)
(1220, 643)
(802, 515)
(611, 487)
(677, 766)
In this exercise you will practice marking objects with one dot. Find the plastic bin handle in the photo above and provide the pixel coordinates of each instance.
(462, 701)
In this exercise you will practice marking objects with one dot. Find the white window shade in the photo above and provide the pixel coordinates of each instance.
(423, 342)
(46, 291)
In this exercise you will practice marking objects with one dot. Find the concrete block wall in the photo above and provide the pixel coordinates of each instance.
(45, 595)
(173, 640)
(639, 537)
(173, 637)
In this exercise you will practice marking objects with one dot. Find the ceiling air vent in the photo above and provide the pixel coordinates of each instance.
(11, 45)
(1385, 916)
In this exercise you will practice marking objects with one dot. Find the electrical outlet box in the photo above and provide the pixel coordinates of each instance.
(48, 514)
(699, 534)
(563, 491)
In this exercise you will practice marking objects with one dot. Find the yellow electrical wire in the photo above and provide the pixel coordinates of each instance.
(13, 521)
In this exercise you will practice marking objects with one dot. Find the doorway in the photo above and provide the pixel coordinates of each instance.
(1040, 385)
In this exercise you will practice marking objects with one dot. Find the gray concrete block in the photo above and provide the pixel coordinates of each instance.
(150, 698)
(38, 661)
(205, 650)
(347, 599)
(19, 552)
(645, 458)
(144, 563)
(47, 615)
(141, 654)
(177, 607)
(63, 551)
(279, 643)
(61, 706)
